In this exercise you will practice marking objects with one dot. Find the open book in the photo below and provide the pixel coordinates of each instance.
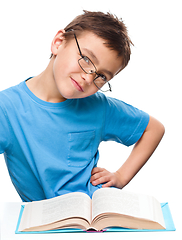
(109, 207)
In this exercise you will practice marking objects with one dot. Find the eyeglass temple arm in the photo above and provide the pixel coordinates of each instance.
(78, 45)
(110, 89)
(72, 30)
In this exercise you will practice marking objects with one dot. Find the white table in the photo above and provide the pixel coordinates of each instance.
(10, 213)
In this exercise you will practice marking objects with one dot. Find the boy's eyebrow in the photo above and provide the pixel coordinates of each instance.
(92, 55)
(109, 73)
(97, 61)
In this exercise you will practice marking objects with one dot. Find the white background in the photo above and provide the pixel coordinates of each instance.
(151, 81)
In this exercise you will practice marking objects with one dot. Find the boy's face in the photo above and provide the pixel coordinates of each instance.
(71, 81)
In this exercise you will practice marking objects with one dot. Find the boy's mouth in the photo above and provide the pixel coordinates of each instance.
(76, 85)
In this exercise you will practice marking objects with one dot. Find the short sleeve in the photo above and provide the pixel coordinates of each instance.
(4, 130)
(123, 123)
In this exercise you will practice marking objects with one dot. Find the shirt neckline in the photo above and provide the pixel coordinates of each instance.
(42, 102)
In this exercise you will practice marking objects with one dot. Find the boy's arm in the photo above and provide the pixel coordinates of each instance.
(141, 152)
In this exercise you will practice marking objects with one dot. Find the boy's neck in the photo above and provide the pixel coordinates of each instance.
(43, 85)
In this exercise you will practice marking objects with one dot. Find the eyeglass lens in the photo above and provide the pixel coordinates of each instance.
(88, 67)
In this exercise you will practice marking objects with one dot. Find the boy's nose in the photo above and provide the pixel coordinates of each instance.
(88, 77)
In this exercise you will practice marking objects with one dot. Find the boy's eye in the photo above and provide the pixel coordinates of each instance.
(103, 77)
(87, 60)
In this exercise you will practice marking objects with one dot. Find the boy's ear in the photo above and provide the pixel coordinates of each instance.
(57, 41)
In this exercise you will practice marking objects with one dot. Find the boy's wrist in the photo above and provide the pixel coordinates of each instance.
(120, 183)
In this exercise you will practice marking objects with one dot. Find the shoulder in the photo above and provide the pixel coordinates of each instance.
(107, 103)
(11, 96)
(110, 103)
(11, 92)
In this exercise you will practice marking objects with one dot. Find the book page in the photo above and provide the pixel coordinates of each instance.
(119, 201)
(55, 209)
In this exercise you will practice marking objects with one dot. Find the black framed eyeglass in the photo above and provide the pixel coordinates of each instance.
(88, 67)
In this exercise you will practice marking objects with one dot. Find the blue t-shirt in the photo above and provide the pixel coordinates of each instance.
(51, 148)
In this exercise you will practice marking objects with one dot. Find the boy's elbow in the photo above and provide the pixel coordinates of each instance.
(161, 130)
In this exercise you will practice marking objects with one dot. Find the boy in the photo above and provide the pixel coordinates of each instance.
(51, 125)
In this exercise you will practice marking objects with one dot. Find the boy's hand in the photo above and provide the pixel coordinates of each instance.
(101, 175)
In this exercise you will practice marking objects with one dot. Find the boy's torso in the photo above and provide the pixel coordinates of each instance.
(53, 148)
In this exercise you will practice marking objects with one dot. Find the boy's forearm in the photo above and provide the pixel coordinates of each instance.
(142, 151)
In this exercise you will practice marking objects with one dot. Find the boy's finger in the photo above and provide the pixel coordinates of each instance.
(108, 184)
(100, 180)
(96, 170)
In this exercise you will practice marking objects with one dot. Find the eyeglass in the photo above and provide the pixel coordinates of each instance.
(88, 67)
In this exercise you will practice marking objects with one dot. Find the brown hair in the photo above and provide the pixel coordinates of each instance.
(105, 26)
